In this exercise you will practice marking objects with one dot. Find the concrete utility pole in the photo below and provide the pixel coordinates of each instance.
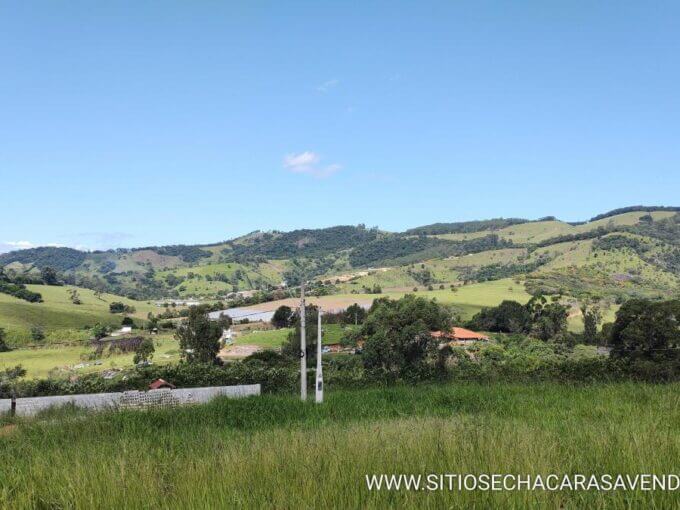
(303, 346)
(319, 373)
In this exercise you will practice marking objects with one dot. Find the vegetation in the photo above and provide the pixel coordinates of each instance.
(17, 290)
(405, 250)
(304, 243)
(465, 227)
(144, 352)
(263, 446)
(508, 317)
(647, 330)
(482, 271)
(634, 208)
(60, 319)
(542, 251)
(282, 317)
(186, 253)
(3, 344)
(199, 337)
(398, 337)
(61, 259)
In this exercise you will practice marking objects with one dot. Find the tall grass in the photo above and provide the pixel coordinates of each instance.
(273, 451)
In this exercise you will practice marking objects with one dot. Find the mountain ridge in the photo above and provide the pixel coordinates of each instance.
(501, 247)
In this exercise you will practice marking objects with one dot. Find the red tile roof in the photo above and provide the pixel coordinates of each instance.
(161, 383)
(460, 334)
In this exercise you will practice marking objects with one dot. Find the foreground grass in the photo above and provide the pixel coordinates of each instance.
(276, 452)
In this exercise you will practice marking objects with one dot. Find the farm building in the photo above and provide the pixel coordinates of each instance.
(460, 336)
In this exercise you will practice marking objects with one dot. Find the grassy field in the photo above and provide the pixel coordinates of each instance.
(60, 361)
(538, 231)
(58, 316)
(468, 298)
(266, 339)
(274, 451)
(332, 333)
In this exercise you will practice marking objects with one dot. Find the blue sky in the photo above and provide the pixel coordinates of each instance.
(140, 123)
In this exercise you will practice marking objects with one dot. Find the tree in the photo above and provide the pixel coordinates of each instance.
(3, 344)
(12, 374)
(508, 317)
(291, 347)
(646, 329)
(591, 320)
(116, 307)
(282, 317)
(548, 320)
(152, 321)
(354, 314)
(74, 296)
(225, 321)
(199, 337)
(37, 333)
(398, 336)
(99, 331)
(49, 276)
(144, 352)
(128, 321)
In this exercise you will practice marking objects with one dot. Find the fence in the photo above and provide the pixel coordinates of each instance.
(129, 399)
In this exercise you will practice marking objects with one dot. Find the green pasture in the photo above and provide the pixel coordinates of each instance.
(61, 360)
(58, 316)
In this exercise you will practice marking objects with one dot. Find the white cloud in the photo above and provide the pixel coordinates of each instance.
(327, 85)
(309, 163)
(296, 162)
(20, 245)
(15, 245)
(85, 241)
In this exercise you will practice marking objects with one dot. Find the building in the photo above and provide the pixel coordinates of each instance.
(160, 384)
(227, 337)
(125, 330)
(460, 336)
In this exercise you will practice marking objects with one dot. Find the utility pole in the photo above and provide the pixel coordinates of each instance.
(319, 373)
(303, 346)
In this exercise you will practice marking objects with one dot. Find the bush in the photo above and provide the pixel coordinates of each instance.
(144, 351)
(3, 345)
(37, 333)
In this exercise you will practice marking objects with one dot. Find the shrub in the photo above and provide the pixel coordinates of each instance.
(37, 333)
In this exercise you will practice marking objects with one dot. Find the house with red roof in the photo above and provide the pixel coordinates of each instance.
(460, 336)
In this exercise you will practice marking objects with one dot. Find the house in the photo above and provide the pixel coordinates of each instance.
(161, 383)
(460, 336)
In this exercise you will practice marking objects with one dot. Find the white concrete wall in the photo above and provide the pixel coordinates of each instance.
(130, 399)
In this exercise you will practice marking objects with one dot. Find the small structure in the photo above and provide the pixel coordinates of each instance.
(460, 336)
(337, 347)
(125, 330)
(227, 337)
(161, 383)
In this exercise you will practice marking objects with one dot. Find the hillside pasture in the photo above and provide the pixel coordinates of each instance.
(58, 316)
(538, 231)
(66, 360)
(468, 298)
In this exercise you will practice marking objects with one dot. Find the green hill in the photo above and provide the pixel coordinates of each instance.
(58, 317)
(633, 251)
